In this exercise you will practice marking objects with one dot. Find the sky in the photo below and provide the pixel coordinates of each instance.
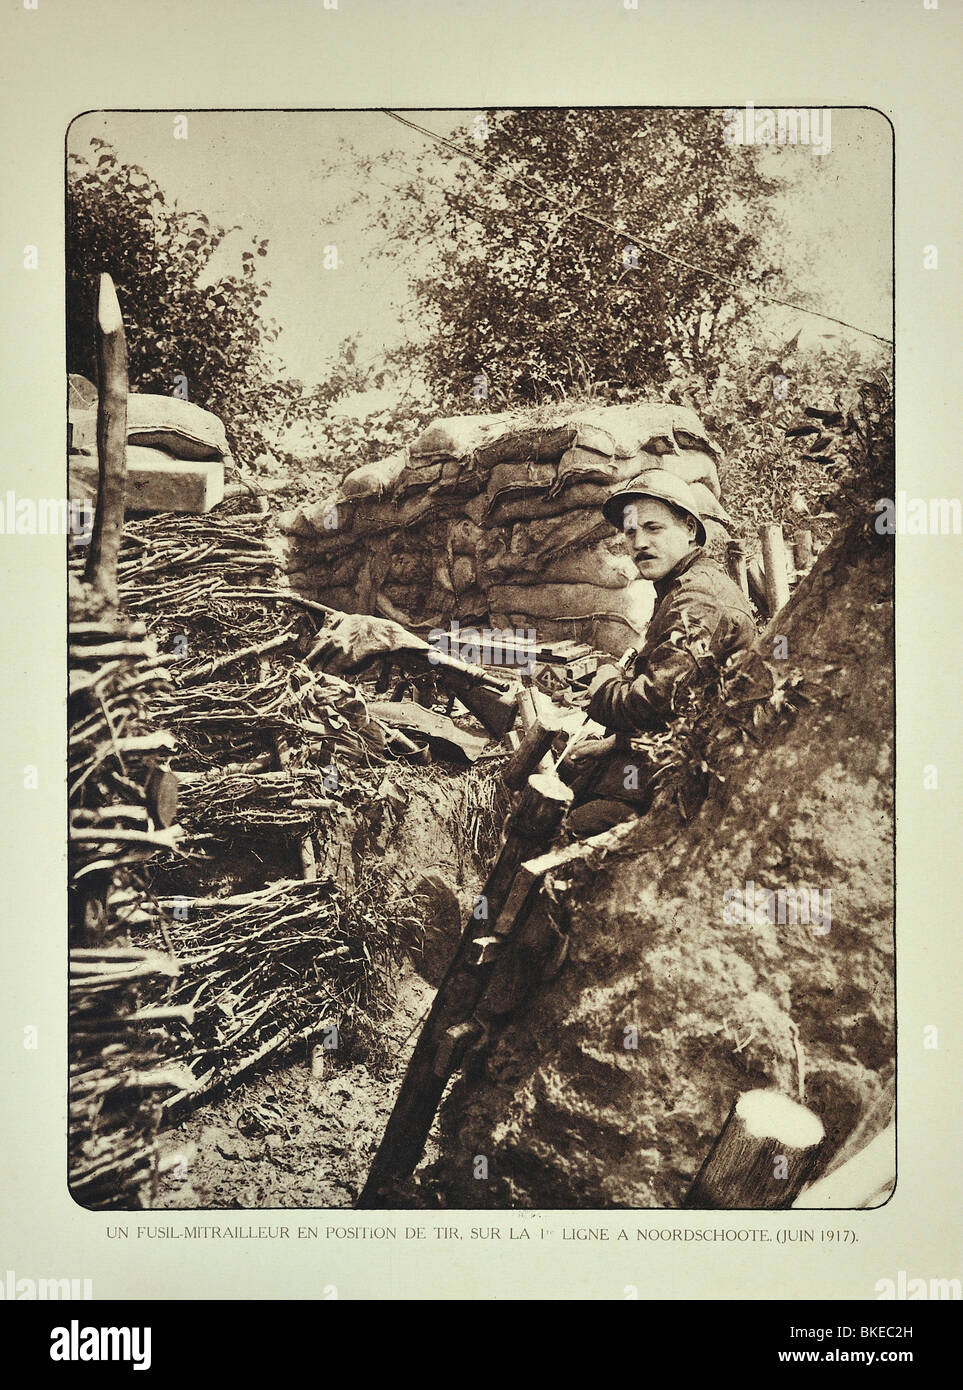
(288, 176)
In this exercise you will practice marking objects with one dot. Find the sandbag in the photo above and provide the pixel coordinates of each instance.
(614, 634)
(475, 508)
(463, 573)
(488, 440)
(406, 568)
(597, 565)
(464, 537)
(541, 443)
(342, 567)
(634, 602)
(335, 596)
(512, 509)
(654, 427)
(693, 466)
(375, 479)
(600, 565)
(581, 465)
(457, 437)
(180, 427)
(455, 577)
(552, 536)
(512, 481)
(329, 522)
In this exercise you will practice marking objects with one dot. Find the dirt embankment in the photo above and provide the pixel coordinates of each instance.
(609, 1089)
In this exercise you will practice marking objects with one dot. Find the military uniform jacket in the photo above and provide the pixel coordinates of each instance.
(701, 619)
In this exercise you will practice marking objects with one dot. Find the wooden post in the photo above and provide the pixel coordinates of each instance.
(736, 565)
(802, 551)
(540, 728)
(444, 1036)
(774, 565)
(756, 578)
(111, 345)
(309, 864)
(767, 1149)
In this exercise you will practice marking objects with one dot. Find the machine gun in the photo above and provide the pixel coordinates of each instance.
(350, 643)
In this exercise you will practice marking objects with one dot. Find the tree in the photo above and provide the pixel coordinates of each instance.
(539, 301)
(181, 323)
(780, 464)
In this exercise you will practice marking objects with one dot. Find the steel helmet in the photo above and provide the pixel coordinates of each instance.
(661, 485)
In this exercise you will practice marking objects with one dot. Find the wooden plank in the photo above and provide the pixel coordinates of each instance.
(531, 752)
(775, 569)
(533, 823)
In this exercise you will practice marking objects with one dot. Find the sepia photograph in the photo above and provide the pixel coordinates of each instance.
(481, 665)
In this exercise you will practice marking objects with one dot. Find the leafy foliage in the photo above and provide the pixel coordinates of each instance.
(180, 320)
(542, 303)
(755, 399)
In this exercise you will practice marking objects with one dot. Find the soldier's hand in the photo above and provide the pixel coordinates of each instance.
(603, 674)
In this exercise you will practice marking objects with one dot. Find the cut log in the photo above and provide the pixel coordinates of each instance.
(767, 1149)
(161, 791)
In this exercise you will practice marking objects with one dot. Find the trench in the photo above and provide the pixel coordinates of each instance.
(302, 1134)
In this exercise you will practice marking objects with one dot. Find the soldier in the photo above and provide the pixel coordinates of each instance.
(701, 619)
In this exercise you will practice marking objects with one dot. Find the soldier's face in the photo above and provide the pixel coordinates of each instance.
(657, 536)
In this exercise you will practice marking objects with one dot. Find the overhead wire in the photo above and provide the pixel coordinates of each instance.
(626, 232)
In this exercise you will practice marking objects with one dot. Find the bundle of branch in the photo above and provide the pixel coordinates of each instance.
(121, 810)
(122, 807)
(165, 555)
(321, 719)
(220, 720)
(118, 1072)
(242, 804)
(261, 970)
(175, 570)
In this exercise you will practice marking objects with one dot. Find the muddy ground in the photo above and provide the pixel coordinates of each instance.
(290, 1138)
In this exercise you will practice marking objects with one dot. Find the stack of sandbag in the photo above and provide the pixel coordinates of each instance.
(496, 519)
(176, 452)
